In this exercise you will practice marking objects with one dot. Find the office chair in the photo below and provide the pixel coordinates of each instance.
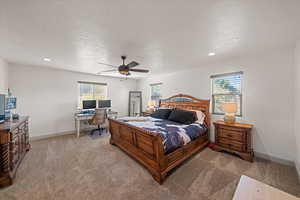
(99, 119)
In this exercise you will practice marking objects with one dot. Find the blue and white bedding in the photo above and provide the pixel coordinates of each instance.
(174, 135)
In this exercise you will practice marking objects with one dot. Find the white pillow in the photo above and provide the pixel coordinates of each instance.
(200, 116)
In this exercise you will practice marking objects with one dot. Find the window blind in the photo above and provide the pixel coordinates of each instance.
(227, 84)
(155, 92)
(91, 91)
(227, 88)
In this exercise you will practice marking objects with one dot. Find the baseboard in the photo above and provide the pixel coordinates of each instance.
(41, 137)
(274, 159)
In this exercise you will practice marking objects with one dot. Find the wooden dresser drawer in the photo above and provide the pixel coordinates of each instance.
(14, 133)
(231, 144)
(232, 135)
(22, 129)
(14, 139)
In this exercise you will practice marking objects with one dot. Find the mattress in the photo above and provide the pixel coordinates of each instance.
(174, 135)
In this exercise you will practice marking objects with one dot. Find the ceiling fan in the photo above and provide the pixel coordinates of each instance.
(124, 69)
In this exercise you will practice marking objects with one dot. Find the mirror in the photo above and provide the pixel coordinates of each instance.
(135, 103)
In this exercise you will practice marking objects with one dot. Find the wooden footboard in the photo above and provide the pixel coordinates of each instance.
(147, 148)
(140, 144)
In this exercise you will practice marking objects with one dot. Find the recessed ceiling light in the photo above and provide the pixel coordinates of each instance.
(212, 54)
(47, 59)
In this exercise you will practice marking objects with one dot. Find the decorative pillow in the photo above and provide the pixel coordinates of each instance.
(161, 113)
(183, 116)
(200, 116)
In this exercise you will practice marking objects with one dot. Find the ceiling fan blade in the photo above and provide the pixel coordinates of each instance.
(133, 64)
(139, 70)
(106, 64)
(111, 70)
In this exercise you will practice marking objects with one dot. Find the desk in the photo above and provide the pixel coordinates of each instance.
(86, 117)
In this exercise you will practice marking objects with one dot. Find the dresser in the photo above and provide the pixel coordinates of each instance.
(234, 138)
(14, 143)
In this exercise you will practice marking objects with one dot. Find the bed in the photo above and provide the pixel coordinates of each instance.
(149, 148)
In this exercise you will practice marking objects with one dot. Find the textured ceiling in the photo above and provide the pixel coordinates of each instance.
(163, 36)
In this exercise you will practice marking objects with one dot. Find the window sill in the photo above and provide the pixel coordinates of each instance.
(219, 114)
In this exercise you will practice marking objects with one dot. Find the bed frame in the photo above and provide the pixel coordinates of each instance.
(147, 148)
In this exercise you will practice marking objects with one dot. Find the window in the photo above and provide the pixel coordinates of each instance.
(91, 91)
(226, 88)
(156, 92)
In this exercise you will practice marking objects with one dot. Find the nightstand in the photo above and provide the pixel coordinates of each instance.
(147, 113)
(234, 138)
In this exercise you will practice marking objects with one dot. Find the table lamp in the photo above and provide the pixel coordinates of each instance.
(151, 105)
(229, 109)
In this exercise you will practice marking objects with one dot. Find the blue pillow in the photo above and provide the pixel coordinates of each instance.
(183, 116)
(161, 113)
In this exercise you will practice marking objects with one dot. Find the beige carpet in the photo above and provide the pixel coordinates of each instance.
(70, 168)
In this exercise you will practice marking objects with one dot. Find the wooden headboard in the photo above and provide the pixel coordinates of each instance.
(188, 102)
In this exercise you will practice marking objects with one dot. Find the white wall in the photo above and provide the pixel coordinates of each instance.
(3, 76)
(297, 104)
(50, 96)
(267, 96)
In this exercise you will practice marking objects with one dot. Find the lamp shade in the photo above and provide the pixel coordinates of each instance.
(151, 103)
(230, 107)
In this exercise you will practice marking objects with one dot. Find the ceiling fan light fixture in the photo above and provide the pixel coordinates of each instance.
(124, 72)
(125, 69)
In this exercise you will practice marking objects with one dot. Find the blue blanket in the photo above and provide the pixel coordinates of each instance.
(174, 135)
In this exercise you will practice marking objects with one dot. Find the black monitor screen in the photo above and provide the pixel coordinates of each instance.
(104, 103)
(89, 104)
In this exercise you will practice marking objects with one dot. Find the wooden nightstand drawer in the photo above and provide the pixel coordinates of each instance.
(229, 128)
(231, 144)
(146, 113)
(235, 138)
(232, 135)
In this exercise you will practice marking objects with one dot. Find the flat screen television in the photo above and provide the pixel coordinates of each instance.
(89, 104)
(2, 106)
(104, 103)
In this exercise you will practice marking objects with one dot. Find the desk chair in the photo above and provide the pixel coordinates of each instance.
(99, 119)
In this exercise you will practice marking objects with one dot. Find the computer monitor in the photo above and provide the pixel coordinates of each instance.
(11, 103)
(89, 104)
(104, 103)
(2, 106)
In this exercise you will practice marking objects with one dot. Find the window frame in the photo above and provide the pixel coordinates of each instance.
(154, 84)
(231, 94)
(79, 104)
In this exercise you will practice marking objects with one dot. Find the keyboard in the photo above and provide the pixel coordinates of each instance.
(87, 112)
